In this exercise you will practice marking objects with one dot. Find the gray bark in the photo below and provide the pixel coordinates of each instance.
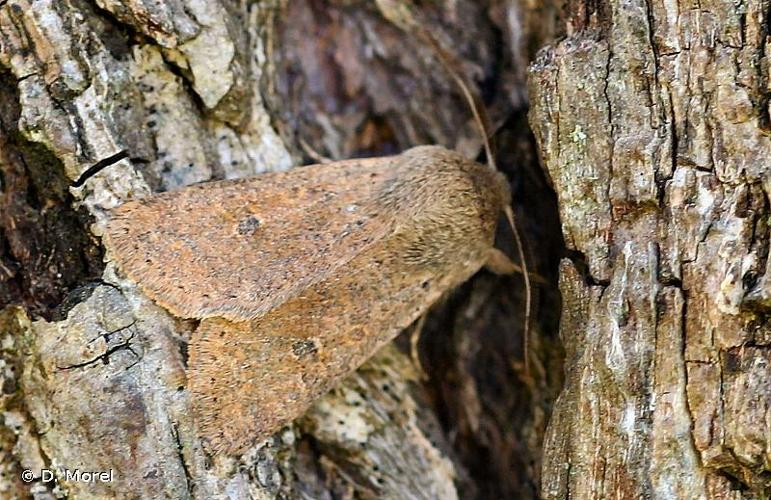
(652, 120)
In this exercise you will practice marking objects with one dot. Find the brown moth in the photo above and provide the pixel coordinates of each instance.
(298, 277)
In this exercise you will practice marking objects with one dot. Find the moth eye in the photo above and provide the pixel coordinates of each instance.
(425, 284)
(248, 226)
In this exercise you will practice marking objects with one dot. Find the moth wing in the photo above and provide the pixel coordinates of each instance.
(236, 249)
(249, 378)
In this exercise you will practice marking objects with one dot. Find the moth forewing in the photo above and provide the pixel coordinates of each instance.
(364, 248)
(235, 249)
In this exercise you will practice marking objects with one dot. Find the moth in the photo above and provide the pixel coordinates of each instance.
(298, 277)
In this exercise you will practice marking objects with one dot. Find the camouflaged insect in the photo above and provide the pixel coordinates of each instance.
(299, 277)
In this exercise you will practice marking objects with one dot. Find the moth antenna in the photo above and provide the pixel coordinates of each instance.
(528, 289)
(450, 64)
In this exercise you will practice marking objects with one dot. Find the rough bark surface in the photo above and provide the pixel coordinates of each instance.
(94, 373)
(653, 123)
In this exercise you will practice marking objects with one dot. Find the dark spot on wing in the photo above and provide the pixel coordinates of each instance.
(302, 348)
(248, 226)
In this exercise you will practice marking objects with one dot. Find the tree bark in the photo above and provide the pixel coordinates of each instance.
(652, 120)
(194, 90)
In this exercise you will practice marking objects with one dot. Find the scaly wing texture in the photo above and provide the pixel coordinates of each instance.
(236, 249)
(249, 378)
(299, 277)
